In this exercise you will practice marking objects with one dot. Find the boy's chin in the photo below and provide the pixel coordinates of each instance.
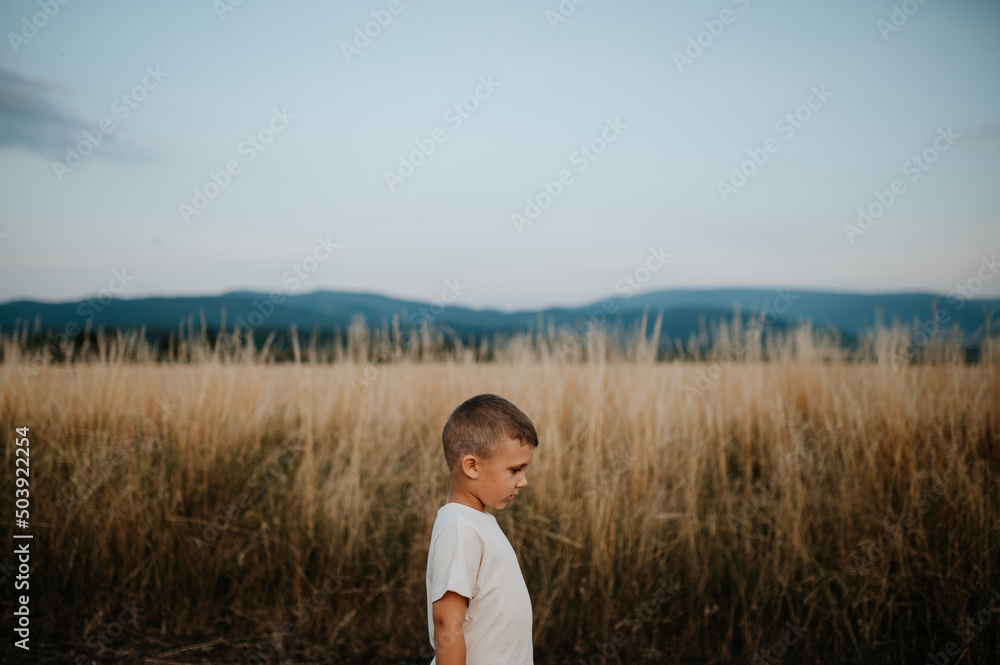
(504, 503)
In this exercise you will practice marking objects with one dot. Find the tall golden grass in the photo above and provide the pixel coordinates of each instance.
(684, 511)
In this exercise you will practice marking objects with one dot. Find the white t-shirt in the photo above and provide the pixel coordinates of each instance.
(470, 555)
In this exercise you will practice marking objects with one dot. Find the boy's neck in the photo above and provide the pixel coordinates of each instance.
(465, 499)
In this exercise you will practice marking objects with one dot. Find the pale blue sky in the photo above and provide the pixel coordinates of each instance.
(656, 185)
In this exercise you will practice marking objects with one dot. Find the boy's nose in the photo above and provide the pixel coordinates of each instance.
(524, 482)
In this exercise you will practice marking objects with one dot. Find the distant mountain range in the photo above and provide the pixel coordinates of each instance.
(686, 312)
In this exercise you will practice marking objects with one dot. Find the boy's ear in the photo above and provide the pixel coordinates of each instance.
(470, 466)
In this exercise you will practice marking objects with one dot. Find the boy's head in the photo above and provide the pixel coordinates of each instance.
(488, 443)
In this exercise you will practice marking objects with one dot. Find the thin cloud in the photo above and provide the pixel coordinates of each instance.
(31, 118)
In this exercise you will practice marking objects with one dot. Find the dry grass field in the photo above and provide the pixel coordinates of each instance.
(781, 503)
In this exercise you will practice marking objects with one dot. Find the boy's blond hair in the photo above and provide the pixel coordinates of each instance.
(478, 427)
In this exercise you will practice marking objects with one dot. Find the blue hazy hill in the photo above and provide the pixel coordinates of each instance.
(686, 312)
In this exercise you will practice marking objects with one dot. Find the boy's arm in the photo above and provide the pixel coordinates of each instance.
(449, 640)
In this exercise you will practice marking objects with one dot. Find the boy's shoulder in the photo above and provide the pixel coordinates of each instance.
(453, 512)
(459, 517)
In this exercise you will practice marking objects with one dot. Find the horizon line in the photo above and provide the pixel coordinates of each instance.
(236, 291)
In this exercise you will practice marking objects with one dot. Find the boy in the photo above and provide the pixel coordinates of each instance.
(478, 608)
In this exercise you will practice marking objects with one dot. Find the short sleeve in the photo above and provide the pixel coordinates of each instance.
(456, 556)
